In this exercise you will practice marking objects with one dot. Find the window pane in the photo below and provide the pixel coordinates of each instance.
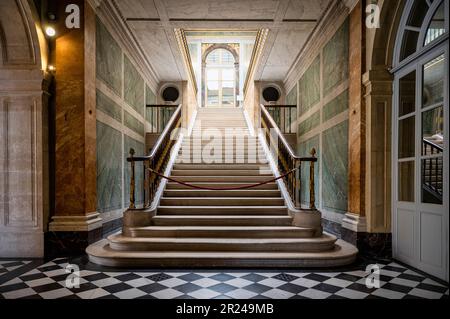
(409, 44)
(406, 181)
(213, 57)
(407, 94)
(212, 75)
(227, 57)
(228, 74)
(406, 138)
(432, 176)
(418, 13)
(437, 25)
(433, 82)
(433, 131)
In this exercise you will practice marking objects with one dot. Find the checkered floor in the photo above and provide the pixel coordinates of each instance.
(10, 265)
(48, 281)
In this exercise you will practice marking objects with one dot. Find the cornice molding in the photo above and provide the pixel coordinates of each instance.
(109, 14)
(336, 13)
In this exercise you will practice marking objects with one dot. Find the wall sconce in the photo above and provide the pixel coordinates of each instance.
(51, 68)
(50, 31)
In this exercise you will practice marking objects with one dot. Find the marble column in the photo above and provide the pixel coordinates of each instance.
(354, 221)
(75, 218)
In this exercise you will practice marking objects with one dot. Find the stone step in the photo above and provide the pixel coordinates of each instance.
(227, 167)
(224, 220)
(245, 179)
(222, 232)
(122, 243)
(207, 193)
(102, 253)
(172, 185)
(213, 172)
(221, 201)
(222, 210)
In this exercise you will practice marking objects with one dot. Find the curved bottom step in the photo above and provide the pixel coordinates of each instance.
(102, 254)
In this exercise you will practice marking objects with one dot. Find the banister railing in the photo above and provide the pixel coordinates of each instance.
(284, 116)
(432, 168)
(286, 160)
(157, 161)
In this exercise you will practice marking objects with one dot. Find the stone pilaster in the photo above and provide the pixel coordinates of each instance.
(354, 221)
(75, 177)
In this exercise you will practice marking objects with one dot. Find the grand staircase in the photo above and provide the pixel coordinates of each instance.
(196, 227)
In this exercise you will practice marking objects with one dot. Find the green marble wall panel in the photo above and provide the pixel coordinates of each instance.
(139, 151)
(291, 97)
(309, 124)
(304, 150)
(335, 59)
(309, 87)
(108, 59)
(133, 87)
(133, 123)
(109, 168)
(336, 106)
(335, 168)
(108, 106)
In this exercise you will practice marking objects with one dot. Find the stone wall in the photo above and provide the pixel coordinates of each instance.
(122, 120)
(321, 94)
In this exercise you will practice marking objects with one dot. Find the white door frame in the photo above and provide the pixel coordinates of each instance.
(418, 208)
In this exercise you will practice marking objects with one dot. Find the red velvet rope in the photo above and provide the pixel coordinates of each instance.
(225, 188)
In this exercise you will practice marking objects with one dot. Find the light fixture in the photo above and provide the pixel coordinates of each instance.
(50, 31)
(51, 68)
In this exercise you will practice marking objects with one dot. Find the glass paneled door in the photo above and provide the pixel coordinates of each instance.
(220, 79)
(420, 166)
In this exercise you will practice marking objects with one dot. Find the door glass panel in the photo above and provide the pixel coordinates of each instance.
(433, 82)
(432, 177)
(407, 94)
(406, 138)
(433, 131)
(213, 75)
(213, 92)
(406, 181)
(437, 25)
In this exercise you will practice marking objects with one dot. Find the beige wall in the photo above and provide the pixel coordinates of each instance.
(22, 133)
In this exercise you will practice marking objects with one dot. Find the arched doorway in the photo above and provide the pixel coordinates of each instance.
(220, 76)
(420, 137)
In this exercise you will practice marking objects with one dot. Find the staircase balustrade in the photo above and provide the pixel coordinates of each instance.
(284, 116)
(157, 161)
(286, 160)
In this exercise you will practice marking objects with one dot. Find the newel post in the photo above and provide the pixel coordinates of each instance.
(132, 182)
(312, 195)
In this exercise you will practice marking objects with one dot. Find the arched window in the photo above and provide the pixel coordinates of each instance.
(425, 23)
(220, 79)
(420, 192)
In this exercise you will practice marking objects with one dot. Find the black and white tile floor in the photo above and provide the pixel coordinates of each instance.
(10, 265)
(48, 281)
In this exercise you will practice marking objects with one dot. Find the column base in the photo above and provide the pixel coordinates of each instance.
(371, 245)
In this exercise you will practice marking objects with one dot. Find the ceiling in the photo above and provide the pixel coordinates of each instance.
(152, 23)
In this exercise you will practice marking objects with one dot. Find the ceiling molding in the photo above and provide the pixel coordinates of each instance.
(182, 43)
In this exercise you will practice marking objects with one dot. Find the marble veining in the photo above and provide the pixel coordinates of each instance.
(309, 85)
(133, 123)
(309, 124)
(335, 59)
(109, 168)
(335, 168)
(108, 106)
(109, 59)
(133, 87)
(335, 106)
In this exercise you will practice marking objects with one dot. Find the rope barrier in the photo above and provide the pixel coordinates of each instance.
(225, 188)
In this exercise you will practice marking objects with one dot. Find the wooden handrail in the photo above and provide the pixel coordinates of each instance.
(281, 106)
